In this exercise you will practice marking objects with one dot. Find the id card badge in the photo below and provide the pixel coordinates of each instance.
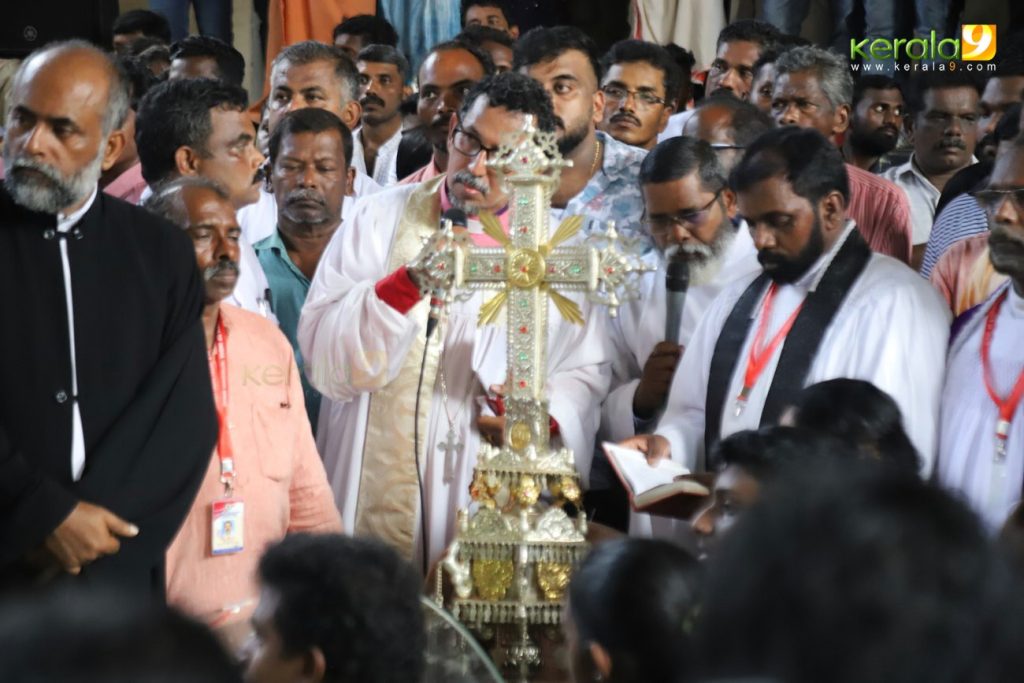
(227, 526)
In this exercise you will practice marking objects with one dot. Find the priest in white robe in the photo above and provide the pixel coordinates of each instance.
(825, 307)
(362, 333)
(691, 215)
(981, 443)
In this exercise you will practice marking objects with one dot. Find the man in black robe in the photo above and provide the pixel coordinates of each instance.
(106, 410)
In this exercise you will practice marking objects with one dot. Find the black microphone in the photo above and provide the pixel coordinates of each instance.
(458, 218)
(677, 281)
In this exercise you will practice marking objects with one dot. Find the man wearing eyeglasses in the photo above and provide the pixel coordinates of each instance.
(691, 215)
(981, 441)
(362, 330)
(638, 80)
(727, 124)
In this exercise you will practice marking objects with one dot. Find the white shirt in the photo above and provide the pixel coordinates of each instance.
(64, 224)
(923, 197)
(675, 124)
(891, 330)
(385, 169)
(967, 454)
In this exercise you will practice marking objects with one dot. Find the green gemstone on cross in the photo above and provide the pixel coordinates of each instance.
(577, 269)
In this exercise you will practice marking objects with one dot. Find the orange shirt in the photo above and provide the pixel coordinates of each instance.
(280, 476)
(964, 275)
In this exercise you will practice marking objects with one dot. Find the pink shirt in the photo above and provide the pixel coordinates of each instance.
(280, 476)
(129, 185)
(426, 173)
(964, 275)
(882, 213)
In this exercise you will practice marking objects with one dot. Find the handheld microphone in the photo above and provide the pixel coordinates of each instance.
(457, 218)
(677, 281)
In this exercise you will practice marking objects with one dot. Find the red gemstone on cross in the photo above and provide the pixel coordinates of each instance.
(523, 329)
(497, 269)
(522, 384)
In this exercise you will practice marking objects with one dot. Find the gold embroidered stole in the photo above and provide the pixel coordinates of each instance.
(389, 495)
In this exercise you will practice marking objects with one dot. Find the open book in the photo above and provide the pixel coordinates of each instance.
(667, 490)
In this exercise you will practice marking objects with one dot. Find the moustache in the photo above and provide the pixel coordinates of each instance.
(559, 122)
(623, 116)
(220, 268)
(1000, 238)
(371, 99)
(45, 170)
(441, 120)
(892, 130)
(304, 196)
(473, 182)
(688, 252)
(952, 143)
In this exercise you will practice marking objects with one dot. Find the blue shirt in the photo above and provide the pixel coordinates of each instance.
(288, 288)
(960, 219)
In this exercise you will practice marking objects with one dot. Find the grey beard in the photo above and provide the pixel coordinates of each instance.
(57, 192)
(705, 259)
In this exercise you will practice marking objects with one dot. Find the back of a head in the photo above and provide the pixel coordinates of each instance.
(770, 452)
(311, 51)
(747, 121)
(78, 638)
(803, 156)
(860, 414)
(631, 51)
(372, 29)
(475, 49)
(353, 598)
(680, 156)
(751, 31)
(1008, 127)
(683, 58)
(143, 21)
(636, 598)
(176, 113)
(230, 62)
(831, 70)
(516, 93)
(860, 574)
(141, 80)
(543, 44)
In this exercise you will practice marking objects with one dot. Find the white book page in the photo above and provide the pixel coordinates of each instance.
(632, 464)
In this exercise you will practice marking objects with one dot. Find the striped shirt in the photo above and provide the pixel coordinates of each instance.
(960, 219)
(882, 213)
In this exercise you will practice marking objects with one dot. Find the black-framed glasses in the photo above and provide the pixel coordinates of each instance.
(719, 146)
(468, 144)
(642, 97)
(991, 200)
(691, 219)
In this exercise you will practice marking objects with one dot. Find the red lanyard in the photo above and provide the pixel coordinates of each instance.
(218, 359)
(760, 354)
(1007, 406)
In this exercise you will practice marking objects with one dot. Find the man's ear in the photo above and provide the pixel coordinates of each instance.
(514, 32)
(314, 665)
(350, 182)
(115, 144)
(351, 114)
(729, 202)
(841, 119)
(908, 128)
(832, 209)
(670, 109)
(598, 106)
(602, 660)
(186, 161)
(406, 91)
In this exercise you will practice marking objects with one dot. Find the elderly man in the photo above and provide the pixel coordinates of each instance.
(640, 86)
(814, 89)
(363, 332)
(729, 125)
(265, 478)
(106, 416)
(199, 127)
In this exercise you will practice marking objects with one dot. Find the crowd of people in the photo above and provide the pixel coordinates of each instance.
(219, 389)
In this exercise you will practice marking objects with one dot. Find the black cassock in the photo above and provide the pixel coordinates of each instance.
(143, 385)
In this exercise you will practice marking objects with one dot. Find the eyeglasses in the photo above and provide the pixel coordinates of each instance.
(693, 219)
(719, 146)
(991, 200)
(643, 97)
(467, 144)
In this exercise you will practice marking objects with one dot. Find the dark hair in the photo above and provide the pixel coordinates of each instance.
(409, 104)
(1010, 61)
(543, 44)
(767, 452)
(1009, 125)
(176, 114)
(937, 80)
(807, 160)
(514, 92)
(143, 21)
(140, 45)
(860, 414)
(683, 58)
(230, 62)
(310, 120)
(478, 35)
(140, 79)
(748, 122)
(153, 54)
(857, 568)
(680, 156)
(372, 29)
(385, 54)
(873, 82)
(310, 51)
(414, 152)
(636, 598)
(77, 637)
(353, 598)
(750, 30)
(479, 54)
(465, 5)
(767, 56)
(626, 51)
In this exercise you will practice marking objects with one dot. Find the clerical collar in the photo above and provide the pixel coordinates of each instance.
(475, 233)
(809, 281)
(65, 223)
